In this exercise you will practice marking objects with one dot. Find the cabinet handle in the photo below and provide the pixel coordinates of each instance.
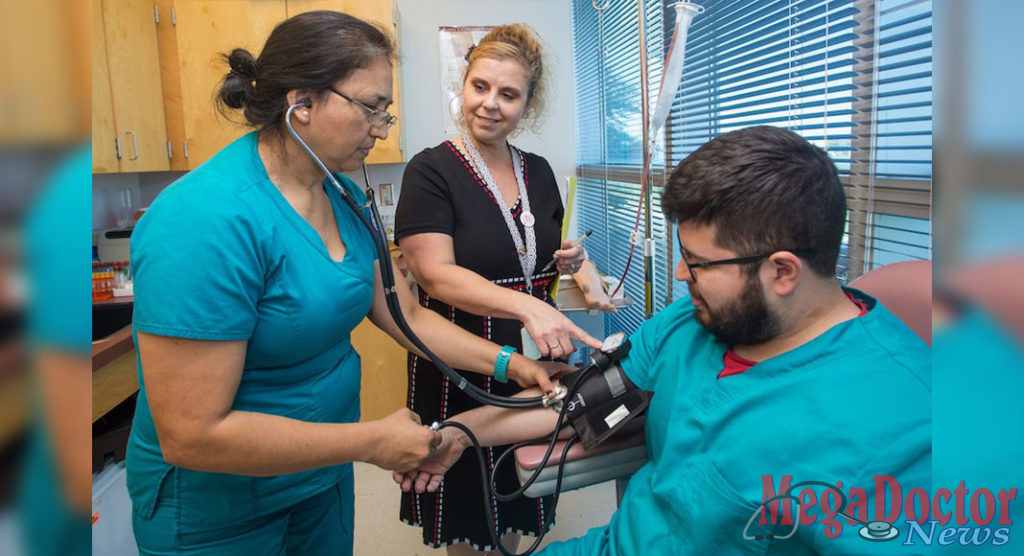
(169, 152)
(117, 147)
(186, 149)
(135, 144)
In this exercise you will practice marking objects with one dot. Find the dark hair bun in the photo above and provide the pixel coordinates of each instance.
(240, 82)
(307, 52)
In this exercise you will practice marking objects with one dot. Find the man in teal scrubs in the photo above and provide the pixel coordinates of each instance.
(768, 374)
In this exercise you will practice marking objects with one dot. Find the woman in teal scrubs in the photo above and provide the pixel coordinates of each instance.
(250, 275)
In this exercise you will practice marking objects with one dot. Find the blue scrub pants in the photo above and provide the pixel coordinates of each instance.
(319, 525)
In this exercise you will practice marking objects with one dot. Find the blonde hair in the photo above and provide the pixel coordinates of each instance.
(519, 42)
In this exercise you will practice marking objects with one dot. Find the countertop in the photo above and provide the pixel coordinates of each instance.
(114, 377)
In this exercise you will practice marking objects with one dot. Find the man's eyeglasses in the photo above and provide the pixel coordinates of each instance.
(690, 267)
(375, 116)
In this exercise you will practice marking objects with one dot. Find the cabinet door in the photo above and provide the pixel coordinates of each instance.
(104, 153)
(44, 53)
(134, 71)
(381, 12)
(203, 31)
(384, 379)
(170, 77)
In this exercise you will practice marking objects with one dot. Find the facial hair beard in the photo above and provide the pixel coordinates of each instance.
(747, 320)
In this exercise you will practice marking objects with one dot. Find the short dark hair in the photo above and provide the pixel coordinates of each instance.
(764, 189)
(312, 50)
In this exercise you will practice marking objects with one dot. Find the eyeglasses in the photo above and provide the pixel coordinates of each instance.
(735, 260)
(375, 116)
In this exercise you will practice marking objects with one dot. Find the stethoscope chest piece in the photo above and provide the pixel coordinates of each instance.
(879, 531)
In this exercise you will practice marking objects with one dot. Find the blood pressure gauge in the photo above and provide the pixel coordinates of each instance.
(614, 348)
(614, 342)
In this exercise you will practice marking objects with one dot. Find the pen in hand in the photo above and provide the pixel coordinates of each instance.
(575, 242)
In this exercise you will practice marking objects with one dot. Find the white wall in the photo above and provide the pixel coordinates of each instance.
(421, 69)
(421, 103)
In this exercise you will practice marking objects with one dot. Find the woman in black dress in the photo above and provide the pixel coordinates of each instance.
(477, 220)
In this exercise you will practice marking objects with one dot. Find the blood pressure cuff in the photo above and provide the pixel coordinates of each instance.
(603, 403)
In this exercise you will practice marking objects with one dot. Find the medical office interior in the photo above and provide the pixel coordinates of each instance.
(854, 77)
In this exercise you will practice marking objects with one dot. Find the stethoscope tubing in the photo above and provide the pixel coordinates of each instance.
(390, 290)
(391, 297)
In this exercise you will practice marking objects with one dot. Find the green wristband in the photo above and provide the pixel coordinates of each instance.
(501, 363)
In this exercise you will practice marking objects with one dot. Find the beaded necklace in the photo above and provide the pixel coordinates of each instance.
(527, 251)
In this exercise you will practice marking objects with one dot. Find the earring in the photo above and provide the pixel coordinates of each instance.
(305, 113)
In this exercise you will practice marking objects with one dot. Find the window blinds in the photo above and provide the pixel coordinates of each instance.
(852, 76)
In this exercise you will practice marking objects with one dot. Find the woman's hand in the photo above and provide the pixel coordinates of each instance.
(427, 477)
(552, 331)
(526, 372)
(404, 443)
(556, 369)
(569, 258)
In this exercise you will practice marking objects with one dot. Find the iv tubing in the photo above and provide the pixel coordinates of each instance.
(670, 80)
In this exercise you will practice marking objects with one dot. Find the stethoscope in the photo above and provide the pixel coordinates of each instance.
(874, 531)
(390, 290)
(551, 399)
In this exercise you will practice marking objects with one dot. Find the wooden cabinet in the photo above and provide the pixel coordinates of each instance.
(45, 92)
(104, 152)
(194, 35)
(158, 66)
(384, 379)
(383, 13)
(128, 116)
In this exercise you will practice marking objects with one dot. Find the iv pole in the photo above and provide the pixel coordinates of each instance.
(670, 80)
(646, 201)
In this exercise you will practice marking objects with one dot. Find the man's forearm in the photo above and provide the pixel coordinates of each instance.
(495, 426)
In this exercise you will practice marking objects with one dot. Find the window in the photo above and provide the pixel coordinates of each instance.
(852, 76)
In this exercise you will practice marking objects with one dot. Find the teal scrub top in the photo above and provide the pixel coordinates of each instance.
(979, 421)
(221, 255)
(851, 403)
(57, 232)
(57, 246)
